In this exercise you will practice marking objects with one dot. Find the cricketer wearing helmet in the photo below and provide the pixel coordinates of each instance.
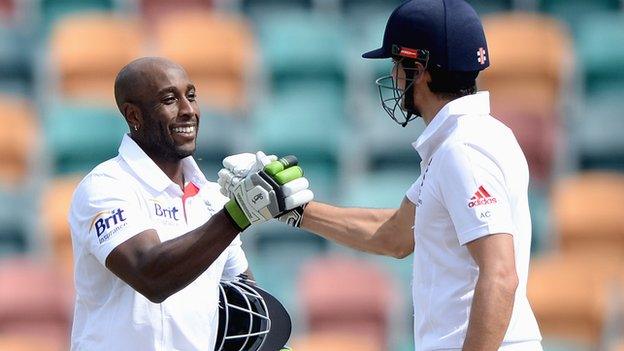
(466, 217)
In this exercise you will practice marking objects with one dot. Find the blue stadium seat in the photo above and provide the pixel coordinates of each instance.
(52, 10)
(382, 189)
(79, 137)
(600, 51)
(15, 61)
(299, 45)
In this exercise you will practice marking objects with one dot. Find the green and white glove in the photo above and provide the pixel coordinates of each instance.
(261, 196)
(237, 167)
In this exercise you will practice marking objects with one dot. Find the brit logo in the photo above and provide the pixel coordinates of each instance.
(481, 197)
(107, 223)
(481, 58)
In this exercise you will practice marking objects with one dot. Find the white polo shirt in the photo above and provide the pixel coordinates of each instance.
(117, 200)
(474, 180)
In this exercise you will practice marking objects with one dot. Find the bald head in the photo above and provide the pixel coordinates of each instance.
(138, 79)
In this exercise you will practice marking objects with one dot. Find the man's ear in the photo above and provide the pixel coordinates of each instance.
(420, 73)
(133, 115)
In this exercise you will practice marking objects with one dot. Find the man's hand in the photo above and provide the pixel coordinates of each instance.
(278, 188)
(237, 167)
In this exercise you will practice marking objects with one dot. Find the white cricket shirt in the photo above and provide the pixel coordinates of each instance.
(474, 180)
(117, 200)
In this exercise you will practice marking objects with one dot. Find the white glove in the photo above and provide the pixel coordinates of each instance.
(237, 167)
(267, 194)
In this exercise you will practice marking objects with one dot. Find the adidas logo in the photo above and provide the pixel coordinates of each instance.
(481, 197)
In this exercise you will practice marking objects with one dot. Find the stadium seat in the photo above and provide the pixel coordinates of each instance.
(381, 189)
(595, 135)
(19, 139)
(329, 341)
(570, 296)
(527, 83)
(300, 45)
(220, 64)
(55, 10)
(15, 60)
(601, 58)
(34, 300)
(307, 121)
(571, 10)
(88, 50)
(588, 214)
(346, 296)
(151, 10)
(19, 342)
(78, 136)
(534, 71)
(55, 203)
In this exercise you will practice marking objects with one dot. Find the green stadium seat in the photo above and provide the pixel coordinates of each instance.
(79, 137)
(299, 45)
(597, 134)
(600, 51)
(305, 120)
(570, 11)
(383, 189)
(52, 10)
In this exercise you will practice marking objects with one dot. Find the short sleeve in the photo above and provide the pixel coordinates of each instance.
(473, 191)
(236, 260)
(105, 213)
(412, 192)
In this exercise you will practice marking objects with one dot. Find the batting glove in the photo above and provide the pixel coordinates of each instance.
(267, 194)
(236, 167)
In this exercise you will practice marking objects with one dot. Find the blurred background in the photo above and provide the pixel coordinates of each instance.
(286, 76)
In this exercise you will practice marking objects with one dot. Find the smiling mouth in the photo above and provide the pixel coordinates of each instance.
(184, 130)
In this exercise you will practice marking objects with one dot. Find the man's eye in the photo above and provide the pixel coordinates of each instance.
(191, 96)
(169, 100)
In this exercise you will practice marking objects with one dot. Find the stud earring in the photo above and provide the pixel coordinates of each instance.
(136, 129)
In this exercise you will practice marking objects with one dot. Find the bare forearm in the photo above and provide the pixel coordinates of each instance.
(490, 314)
(357, 228)
(175, 263)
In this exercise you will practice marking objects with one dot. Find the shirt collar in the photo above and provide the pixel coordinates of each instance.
(438, 130)
(143, 166)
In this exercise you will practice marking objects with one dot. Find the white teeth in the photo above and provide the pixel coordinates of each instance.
(184, 129)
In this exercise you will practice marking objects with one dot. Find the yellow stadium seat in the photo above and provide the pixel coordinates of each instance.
(55, 203)
(588, 213)
(87, 52)
(217, 51)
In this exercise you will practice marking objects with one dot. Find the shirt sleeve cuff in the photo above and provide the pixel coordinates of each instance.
(481, 231)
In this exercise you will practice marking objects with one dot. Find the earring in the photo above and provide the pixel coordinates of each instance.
(136, 129)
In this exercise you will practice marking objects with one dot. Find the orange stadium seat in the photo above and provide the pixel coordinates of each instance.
(20, 342)
(570, 295)
(217, 50)
(531, 63)
(19, 142)
(333, 342)
(588, 213)
(34, 300)
(347, 296)
(87, 52)
(55, 203)
(531, 57)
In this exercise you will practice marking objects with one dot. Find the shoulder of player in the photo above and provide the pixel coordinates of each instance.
(105, 177)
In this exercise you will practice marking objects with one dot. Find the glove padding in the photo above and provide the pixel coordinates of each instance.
(260, 196)
(237, 167)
